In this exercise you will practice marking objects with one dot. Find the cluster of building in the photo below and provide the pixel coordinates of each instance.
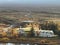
(26, 26)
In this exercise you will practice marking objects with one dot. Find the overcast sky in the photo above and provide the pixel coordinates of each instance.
(30, 2)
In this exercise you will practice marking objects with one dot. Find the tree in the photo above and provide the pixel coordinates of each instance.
(53, 26)
(44, 26)
(32, 32)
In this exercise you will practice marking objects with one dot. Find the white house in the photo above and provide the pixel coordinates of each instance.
(44, 33)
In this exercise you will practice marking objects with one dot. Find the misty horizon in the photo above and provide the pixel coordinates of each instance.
(30, 4)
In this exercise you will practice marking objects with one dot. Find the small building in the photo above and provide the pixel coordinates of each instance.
(28, 24)
(44, 33)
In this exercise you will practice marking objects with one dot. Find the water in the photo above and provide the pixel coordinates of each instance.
(14, 44)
